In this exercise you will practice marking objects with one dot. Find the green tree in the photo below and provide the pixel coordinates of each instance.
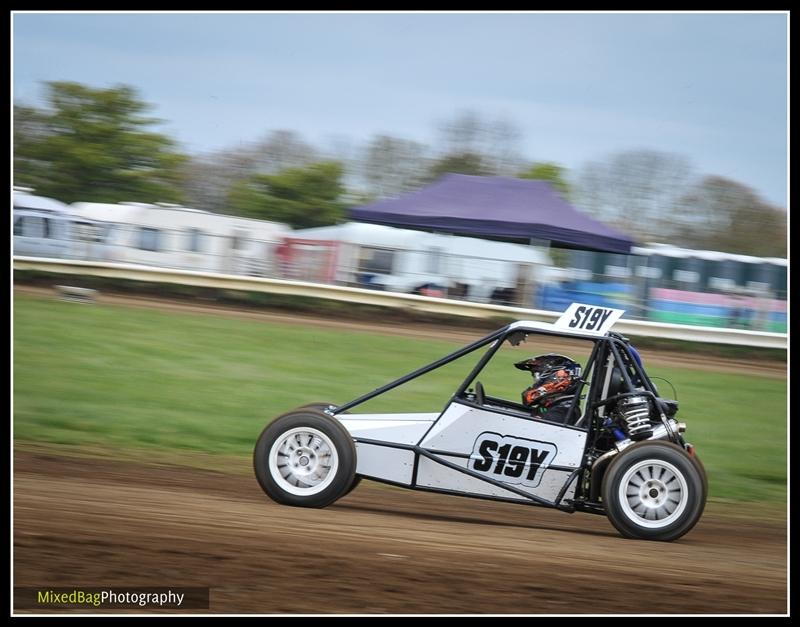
(94, 145)
(550, 172)
(459, 163)
(300, 197)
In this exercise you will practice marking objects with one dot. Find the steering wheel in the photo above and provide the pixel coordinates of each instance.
(480, 395)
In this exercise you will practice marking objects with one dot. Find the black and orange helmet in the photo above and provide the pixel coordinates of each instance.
(553, 375)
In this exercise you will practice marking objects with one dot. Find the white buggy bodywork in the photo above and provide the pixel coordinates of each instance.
(462, 428)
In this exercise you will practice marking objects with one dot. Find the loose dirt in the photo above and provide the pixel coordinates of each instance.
(81, 521)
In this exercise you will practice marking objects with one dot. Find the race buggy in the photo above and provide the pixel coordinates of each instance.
(594, 438)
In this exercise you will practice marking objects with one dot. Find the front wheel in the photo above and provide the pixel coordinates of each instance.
(305, 458)
(322, 407)
(654, 491)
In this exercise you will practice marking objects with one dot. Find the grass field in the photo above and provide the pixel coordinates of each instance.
(111, 376)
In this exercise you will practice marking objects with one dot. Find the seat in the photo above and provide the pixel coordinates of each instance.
(616, 384)
(559, 412)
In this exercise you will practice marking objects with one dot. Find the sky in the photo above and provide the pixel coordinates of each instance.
(711, 87)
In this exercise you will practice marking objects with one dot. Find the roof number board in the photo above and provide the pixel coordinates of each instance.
(588, 318)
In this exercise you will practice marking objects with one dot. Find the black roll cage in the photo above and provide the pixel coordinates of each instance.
(611, 344)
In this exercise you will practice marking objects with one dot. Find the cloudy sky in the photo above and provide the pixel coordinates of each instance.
(711, 87)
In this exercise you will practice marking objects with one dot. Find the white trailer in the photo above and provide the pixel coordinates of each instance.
(172, 236)
(45, 227)
(405, 260)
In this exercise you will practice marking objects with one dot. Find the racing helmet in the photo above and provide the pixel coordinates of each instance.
(553, 376)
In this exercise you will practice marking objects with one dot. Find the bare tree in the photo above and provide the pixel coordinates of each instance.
(391, 166)
(283, 149)
(722, 214)
(209, 177)
(493, 143)
(635, 190)
(461, 134)
(503, 146)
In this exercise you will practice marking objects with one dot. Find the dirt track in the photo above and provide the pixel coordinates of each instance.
(82, 521)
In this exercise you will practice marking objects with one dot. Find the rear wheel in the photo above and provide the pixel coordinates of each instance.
(305, 458)
(654, 491)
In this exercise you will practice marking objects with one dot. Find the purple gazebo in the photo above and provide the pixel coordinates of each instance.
(495, 207)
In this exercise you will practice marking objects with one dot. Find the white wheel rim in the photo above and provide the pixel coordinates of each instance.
(303, 461)
(653, 494)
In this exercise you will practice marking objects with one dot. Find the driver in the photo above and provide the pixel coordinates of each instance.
(556, 378)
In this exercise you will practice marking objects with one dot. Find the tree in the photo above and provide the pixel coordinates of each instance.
(209, 178)
(301, 197)
(494, 143)
(459, 163)
(502, 146)
(94, 145)
(550, 172)
(721, 214)
(635, 190)
(393, 166)
(282, 149)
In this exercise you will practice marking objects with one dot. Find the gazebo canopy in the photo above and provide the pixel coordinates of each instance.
(496, 207)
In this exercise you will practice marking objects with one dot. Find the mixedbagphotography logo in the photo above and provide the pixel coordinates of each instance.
(103, 597)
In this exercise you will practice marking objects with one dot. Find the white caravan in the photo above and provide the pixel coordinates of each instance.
(41, 225)
(404, 260)
(172, 236)
(45, 227)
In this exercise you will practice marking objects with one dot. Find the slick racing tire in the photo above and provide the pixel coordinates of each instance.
(305, 458)
(322, 407)
(654, 491)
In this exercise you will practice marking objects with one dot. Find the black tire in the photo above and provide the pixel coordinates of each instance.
(322, 407)
(702, 470)
(675, 498)
(283, 440)
(353, 485)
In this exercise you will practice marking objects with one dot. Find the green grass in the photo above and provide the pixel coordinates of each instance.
(738, 423)
(111, 376)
